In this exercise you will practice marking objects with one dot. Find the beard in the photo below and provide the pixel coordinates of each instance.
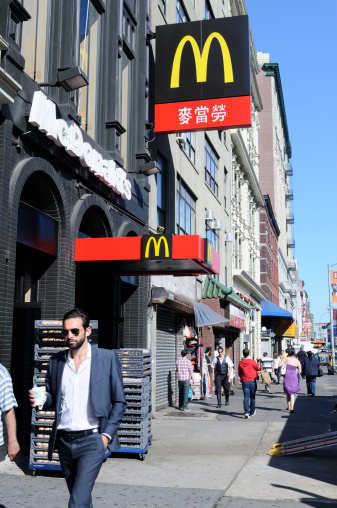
(78, 344)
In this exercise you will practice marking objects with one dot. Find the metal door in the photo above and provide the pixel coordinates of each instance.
(169, 342)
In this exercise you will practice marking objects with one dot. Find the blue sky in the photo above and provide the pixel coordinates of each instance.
(301, 36)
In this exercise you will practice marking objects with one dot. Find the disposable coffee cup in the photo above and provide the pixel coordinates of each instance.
(40, 396)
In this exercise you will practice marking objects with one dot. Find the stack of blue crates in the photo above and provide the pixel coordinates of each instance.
(135, 431)
(48, 340)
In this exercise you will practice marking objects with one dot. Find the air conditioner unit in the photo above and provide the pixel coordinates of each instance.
(228, 237)
(209, 215)
(217, 224)
(181, 138)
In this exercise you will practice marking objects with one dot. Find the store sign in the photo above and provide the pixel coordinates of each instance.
(208, 252)
(203, 75)
(68, 135)
(236, 316)
(156, 246)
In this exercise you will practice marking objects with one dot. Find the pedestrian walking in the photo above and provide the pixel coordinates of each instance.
(209, 360)
(85, 387)
(222, 367)
(301, 355)
(291, 383)
(267, 363)
(7, 405)
(248, 374)
(184, 368)
(276, 360)
(311, 366)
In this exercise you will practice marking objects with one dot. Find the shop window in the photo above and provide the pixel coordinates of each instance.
(35, 38)
(186, 205)
(90, 33)
(161, 191)
(211, 167)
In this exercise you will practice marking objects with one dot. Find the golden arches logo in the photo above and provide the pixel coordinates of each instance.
(201, 59)
(156, 244)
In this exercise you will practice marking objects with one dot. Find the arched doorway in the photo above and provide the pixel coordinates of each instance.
(35, 268)
(97, 290)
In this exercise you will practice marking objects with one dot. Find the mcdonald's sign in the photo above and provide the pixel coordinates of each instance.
(156, 247)
(208, 252)
(203, 75)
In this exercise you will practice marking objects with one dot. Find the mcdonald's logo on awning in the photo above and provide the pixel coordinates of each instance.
(203, 68)
(208, 252)
(156, 247)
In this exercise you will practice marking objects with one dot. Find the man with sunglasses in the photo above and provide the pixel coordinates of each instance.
(222, 367)
(85, 387)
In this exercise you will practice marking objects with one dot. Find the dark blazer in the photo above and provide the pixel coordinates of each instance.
(106, 390)
(311, 366)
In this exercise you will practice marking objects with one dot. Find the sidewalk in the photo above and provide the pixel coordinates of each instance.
(211, 458)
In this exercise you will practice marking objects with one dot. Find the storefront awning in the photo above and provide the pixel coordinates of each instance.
(206, 316)
(271, 309)
(150, 254)
(214, 289)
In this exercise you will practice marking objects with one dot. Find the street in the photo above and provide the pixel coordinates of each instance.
(209, 457)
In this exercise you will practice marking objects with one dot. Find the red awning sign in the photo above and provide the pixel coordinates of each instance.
(151, 254)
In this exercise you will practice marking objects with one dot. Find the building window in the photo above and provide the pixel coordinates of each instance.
(190, 145)
(213, 236)
(127, 69)
(162, 5)
(35, 39)
(186, 205)
(90, 23)
(181, 16)
(208, 14)
(225, 187)
(211, 167)
(161, 191)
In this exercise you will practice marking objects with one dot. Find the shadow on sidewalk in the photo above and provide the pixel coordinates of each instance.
(313, 416)
(316, 501)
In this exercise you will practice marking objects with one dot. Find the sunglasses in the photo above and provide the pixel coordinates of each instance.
(74, 331)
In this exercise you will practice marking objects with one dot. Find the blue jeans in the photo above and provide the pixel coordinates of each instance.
(249, 390)
(311, 384)
(183, 387)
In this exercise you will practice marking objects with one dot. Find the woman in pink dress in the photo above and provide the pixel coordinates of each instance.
(291, 384)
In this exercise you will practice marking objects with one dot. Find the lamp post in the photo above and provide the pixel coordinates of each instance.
(331, 320)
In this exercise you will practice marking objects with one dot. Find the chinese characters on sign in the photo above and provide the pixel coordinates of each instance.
(201, 114)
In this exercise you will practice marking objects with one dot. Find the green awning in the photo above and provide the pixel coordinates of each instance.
(214, 289)
(234, 298)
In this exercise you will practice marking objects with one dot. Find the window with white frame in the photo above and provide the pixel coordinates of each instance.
(186, 205)
(211, 167)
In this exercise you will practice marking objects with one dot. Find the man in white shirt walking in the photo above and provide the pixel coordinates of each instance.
(85, 387)
(222, 367)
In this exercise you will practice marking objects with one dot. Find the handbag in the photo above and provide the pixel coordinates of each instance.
(298, 374)
(283, 369)
(320, 372)
(265, 377)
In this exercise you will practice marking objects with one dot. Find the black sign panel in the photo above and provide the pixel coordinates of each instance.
(156, 247)
(203, 60)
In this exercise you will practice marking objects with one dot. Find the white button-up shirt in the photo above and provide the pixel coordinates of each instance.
(76, 409)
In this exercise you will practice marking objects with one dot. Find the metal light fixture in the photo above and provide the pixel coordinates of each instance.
(70, 79)
(151, 168)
